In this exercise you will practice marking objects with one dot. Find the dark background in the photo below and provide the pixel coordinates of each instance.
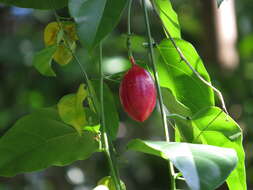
(23, 89)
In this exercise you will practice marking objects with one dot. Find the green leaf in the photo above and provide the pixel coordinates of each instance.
(101, 187)
(168, 17)
(71, 109)
(173, 104)
(204, 167)
(43, 60)
(180, 79)
(181, 115)
(95, 18)
(219, 129)
(91, 116)
(37, 4)
(110, 110)
(40, 140)
(94, 129)
(210, 126)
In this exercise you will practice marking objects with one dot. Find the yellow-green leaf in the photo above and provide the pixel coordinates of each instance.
(62, 55)
(71, 110)
(43, 60)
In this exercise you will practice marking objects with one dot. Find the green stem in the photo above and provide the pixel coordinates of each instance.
(67, 45)
(177, 116)
(164, 119)
(129, 33)
(151, 51)
(105, 140)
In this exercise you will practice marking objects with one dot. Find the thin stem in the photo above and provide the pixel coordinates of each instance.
(129, 33)
(164, 119)
(67, 45)
(182, 56)
(105, 140)
(151, 51)
(177, 116)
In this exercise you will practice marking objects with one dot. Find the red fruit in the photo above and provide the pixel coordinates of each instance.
(138, 93)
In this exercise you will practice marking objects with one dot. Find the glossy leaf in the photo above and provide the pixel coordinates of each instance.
(40, 140)
(209, 126)
(101, 187)
(204, 167)
(168, 17)
(110, 110)
(43, 61)
(95, 18)
(180, 79)
(218, 129)
(71, 109)
(45, 4)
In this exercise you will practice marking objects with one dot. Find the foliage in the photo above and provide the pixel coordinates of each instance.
(40, 140)
(46, 4)
(58, 137)
(203, 166)
(95, 19)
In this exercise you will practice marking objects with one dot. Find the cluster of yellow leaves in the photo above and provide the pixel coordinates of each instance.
(63, 35)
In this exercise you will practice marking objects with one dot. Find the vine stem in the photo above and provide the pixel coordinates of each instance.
(105, 139)
(160, 98)
(129, 33)
(183, 58)
(68, 46)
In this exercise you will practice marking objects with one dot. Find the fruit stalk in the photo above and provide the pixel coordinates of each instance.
(160, 99)
(129, 34)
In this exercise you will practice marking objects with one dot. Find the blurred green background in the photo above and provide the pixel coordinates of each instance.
(23, 89)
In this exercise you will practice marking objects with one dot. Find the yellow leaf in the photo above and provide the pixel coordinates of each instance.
(50, 33)
(70, 30)
(62, 55)
(53, 31)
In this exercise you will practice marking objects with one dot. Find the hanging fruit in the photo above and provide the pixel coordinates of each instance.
(138, 93)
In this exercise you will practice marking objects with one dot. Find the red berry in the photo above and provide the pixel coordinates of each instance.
(138, 93)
